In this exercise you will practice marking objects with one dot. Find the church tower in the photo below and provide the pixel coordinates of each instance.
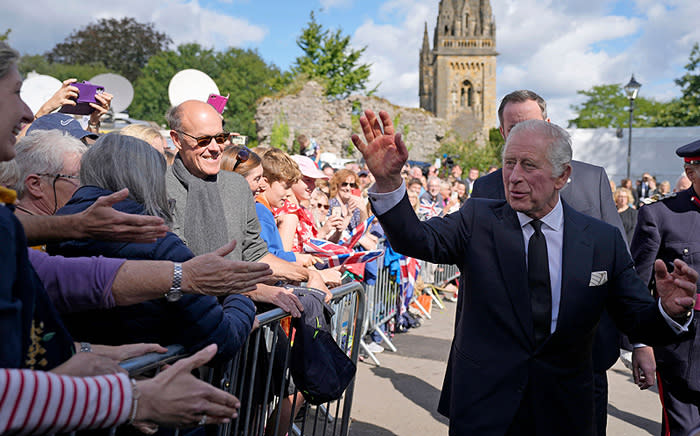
(458, 75)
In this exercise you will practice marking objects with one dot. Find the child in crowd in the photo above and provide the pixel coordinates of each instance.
(280, 172)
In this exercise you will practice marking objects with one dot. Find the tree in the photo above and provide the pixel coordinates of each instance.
(247, 77)
(607, 106)
(242, 74)
(4, 36)
(328, 56)
(122, 45)
(685, 111)
(151, 89)
(469, 154)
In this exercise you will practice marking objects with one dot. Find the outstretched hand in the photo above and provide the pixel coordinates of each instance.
(176, 398)
(677, 290)
(385, 152)
(101, 221)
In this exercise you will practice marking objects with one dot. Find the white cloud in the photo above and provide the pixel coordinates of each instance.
(182, 20)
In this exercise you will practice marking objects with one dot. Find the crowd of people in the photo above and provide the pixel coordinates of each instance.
(114, 245)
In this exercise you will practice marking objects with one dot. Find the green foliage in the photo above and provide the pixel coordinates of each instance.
(4, 36)
(242, 74)
(607, 106)
(469, 154)
(39, 64)
(123, 45)
(151, 89)
(280, 133)
(247, 78)
(685, 111)
(328, 56)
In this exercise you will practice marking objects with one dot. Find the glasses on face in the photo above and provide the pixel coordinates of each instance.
(352, 185)
(60, 176)
(323, 206)
(204, 141)
(241, 157)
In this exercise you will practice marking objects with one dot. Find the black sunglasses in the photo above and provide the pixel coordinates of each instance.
(204, 141)
(352, 185)
(324, 206)
(241, 157)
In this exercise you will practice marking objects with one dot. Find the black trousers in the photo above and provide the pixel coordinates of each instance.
(600, 399)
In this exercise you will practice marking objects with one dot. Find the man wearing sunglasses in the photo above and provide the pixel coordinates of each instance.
(213, 207)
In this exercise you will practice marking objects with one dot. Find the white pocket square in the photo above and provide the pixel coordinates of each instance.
(598, 278)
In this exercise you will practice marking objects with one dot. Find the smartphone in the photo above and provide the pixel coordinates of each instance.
(86, 95)
(356, 192)
(454, 195)
(239, 140)
(218, 102)
(336, 211)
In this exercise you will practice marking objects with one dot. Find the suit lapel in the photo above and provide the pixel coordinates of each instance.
(508, 238)
(576, 266)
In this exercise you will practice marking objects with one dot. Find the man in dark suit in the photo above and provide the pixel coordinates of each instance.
(536, 275)
(588, 191)
(669, 229)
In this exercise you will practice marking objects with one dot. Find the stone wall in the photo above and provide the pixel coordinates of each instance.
(330, 123)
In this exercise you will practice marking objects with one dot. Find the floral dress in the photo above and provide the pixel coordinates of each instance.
(305, 227)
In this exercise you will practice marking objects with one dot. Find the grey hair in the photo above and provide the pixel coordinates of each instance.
(115, 162)
(44, 152)
(521, 96)
(559, 142)
(9, 173)
(174, 117)
(8, 56)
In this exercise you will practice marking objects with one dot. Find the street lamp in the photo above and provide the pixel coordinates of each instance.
(631, 90)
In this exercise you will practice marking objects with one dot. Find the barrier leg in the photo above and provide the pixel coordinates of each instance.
(385, 338)
(436, 297)
(369, 353)
(420, 307)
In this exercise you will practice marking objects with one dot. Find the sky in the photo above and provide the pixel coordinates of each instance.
(554, 47)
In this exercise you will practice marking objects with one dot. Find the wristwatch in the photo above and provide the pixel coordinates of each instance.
(175, 292)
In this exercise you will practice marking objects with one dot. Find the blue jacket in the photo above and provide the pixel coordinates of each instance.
(193, 321)
(271, 235)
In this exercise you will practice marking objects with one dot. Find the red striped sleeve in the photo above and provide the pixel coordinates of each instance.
(33, 398)
(19, 398)
(33, 402)
(46, 399)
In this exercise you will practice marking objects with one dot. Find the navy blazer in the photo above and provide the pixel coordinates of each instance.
(587, 191)
(493, 358)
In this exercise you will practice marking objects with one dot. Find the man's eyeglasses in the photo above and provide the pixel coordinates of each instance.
(352, 185)
(204, 141)
(241, 157)
(60, 176)
(323, 206)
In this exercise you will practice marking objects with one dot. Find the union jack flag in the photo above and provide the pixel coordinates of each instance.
(410, 268)
(319, 247)
(330, 261)
(429, 209)
(357, 233)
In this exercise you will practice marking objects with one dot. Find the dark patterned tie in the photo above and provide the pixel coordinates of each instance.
(539, 284)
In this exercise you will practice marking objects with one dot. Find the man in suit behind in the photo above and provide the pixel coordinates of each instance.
(536, 275)
(588, 191)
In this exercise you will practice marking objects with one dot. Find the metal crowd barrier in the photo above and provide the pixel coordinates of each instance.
(259, 376)
(382, 299)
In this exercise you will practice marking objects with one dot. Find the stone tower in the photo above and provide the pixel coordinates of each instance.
(458, 75)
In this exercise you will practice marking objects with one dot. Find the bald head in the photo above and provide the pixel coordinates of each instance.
(191, 120)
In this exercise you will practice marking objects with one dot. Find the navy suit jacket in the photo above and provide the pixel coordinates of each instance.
(588, 191)
(493, 358)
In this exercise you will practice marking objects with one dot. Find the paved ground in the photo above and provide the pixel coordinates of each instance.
(400, 397)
